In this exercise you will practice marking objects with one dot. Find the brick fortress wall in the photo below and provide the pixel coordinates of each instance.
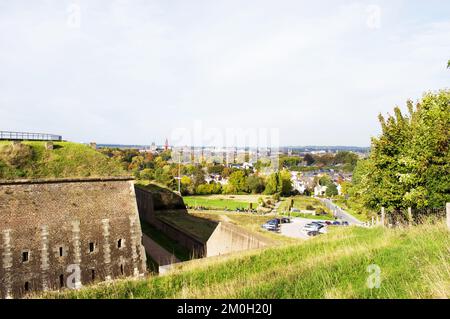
(50, 229)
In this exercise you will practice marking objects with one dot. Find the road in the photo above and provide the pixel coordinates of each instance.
(339, 212)
(295, 229)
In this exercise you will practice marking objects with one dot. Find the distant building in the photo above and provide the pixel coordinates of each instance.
(320, 190)
(166, 145)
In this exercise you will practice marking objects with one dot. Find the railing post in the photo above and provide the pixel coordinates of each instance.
(382, 217)
(410, 218)
(448, 215)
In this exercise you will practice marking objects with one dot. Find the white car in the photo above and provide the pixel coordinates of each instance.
(312, 227)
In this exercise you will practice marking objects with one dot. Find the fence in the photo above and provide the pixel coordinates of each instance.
(21, 136)
(414, 216)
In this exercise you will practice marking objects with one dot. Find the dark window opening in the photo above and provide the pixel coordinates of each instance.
(93, 274)
(121, 269)
(61, 252)
(25, 256)
(91, 247)
(61, 281)
(27, 286)
(119, 243)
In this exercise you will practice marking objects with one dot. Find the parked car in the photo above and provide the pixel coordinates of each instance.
(272, 225)
(345, 223)
(285, 220)
(312, 227)
(336, 223)
(328, 222)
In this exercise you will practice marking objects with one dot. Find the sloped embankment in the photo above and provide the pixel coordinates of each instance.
(413, 263)
(32, 160)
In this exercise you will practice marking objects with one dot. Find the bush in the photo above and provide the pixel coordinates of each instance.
(16, 155)
(310, 207)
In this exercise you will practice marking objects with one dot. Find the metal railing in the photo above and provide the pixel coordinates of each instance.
(21, 136)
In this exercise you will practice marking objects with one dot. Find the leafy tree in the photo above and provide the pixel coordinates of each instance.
(286, 183)
(238, 181)
(199, 177)
(409, 164)
(273, 184)
(255, 184)
(226, 172)
(309, 159)
(279, 182)
(331, 190)
(147, 174)
(215, 169)
(208, 189)
(187, 186)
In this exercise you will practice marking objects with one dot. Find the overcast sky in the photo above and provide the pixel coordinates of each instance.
(134, 71)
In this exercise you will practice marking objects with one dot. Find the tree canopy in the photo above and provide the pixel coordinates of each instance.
(409, 163)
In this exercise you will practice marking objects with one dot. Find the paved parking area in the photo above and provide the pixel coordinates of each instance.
(295, 229)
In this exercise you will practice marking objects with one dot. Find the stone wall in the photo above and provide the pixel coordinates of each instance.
(51, 228)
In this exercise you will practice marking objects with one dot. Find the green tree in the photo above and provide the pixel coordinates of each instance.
(238, 181)
(309, 159)
(331, 190)
(279, 183)
(409, 164)
(255, 184)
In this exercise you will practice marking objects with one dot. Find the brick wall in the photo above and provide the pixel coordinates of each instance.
(50, 229)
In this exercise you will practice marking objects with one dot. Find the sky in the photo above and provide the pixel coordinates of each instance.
(138, 71)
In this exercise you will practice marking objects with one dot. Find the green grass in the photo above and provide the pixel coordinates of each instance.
(65, 160)
(354, 209)
(221, 202)
(166, 242)
(309, 216)
(414, 263)
(200, 228)
(300, 202)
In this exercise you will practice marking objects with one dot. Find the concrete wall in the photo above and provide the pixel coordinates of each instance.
(228, 238)
(56, 223)
(225, 239)
(194, 245)
(146, 205)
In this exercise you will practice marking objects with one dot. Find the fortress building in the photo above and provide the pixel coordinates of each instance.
(67, 233)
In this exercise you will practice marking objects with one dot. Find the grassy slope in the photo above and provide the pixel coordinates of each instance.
(66, 160)
(218, 203)
(414, 264)
(300, 202)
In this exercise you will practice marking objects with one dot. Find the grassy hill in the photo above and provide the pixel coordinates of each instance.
(414, 263)
(32, 160)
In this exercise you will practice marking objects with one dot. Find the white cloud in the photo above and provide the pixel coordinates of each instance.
(135, 70)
